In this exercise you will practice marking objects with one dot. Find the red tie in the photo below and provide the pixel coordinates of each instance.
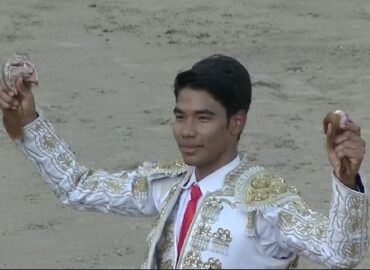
(195, 194)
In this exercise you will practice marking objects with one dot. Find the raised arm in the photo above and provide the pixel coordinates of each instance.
(338, 241)
(136, 192)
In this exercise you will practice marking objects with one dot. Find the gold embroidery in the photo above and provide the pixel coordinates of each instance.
(100, 183)
(167, 243)
(232, 177)
(250, 223)
(65, 161)
(321, 232)
(193, 260)
(351, 249)
(256, 196)
(212, 263)
(320, 217)
(113, 186)
(287, 220)
(256, 189)
(92, 185)
(299, 207)
(262, 181)
(165, 246)
(211, 209)
(221, 241)
(140, 188)
(166, 265)
(202, 236)
(49, 143)
(355, 224)
(172, 168)
(140, 185)
(305, 229)
(355, 204)
(302, 222)
(172, 165)
(156, 226)
(264, 187)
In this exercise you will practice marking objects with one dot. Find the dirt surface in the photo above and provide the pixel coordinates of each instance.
(106, 71)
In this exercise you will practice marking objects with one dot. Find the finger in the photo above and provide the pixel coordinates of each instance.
(5, 97)
(351, 126)
(6, 106)
(353, 154)
(22, 86)
(6, 89)
(350, 148)
(351, 145)
(329, 130)
(347, 135)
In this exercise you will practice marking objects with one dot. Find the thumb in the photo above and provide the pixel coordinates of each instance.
(329, 139)
(23, 87)
(329, 130)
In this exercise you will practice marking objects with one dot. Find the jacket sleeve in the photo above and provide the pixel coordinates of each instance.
(338, 241)
(127, 193)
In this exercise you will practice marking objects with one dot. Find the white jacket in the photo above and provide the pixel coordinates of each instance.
(255, 221)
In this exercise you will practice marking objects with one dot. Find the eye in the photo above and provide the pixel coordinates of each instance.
(179, 116)
(204, 118)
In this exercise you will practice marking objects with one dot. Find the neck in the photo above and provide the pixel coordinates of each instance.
(203, 171)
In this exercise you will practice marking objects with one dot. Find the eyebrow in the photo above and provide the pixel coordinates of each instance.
(198, 112)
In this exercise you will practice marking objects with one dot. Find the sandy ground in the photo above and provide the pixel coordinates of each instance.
(106, 70)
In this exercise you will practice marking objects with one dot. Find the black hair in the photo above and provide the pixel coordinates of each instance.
(223, 77)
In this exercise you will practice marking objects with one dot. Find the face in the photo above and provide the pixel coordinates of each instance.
(205, 137)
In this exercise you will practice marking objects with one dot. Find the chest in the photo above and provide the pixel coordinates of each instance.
(216, 239)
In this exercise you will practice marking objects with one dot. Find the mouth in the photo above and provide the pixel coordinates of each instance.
(189, 149)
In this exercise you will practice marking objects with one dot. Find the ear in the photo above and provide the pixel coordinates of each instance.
(237, 122)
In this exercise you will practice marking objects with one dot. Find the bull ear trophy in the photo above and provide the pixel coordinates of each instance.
(14, 68)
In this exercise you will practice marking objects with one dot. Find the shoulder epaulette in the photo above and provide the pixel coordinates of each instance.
(256, 189)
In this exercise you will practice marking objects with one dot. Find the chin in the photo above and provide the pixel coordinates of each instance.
(190, 161)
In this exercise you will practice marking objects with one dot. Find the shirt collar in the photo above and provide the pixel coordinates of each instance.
(215, 180)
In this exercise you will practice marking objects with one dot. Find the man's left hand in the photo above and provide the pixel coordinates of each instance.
(350, 145)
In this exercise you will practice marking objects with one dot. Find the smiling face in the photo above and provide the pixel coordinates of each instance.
(204, 135)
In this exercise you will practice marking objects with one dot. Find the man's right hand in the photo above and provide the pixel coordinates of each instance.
(25, 98)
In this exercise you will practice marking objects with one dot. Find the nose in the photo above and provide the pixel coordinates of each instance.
(188, 129)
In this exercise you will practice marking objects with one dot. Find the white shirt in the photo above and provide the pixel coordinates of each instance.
(210, 183)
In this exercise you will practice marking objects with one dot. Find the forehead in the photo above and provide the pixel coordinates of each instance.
(191, 99)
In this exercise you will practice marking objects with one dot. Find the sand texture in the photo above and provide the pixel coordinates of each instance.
(106, 70)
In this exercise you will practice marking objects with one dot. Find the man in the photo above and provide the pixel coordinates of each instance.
(216, 211)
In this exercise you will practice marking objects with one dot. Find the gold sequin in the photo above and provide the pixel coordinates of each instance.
(279, 188)
(250, 220)
(140, 185)
(265, 187)
(49, 143)
(166, 264)
(287, 220)
(91, 185)
(355, 224)
(193, 260)
(113, 186)
(258, 195)
(173, 165)
(351, 250)
(65, 160)
(320, 232)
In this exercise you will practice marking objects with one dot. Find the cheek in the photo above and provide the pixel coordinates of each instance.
(212, 134)
(174, 130)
